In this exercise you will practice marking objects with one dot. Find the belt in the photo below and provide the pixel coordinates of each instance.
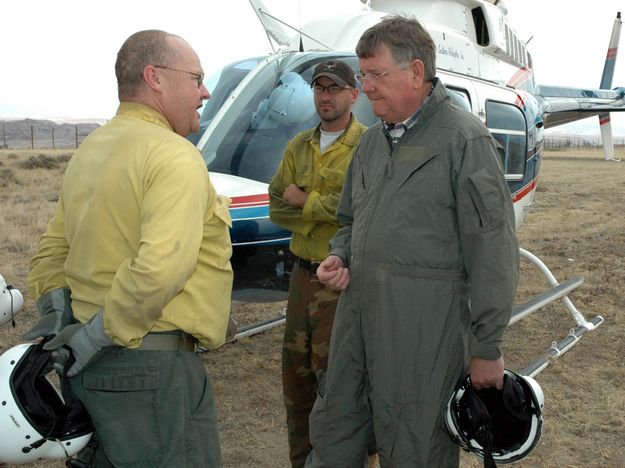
(168, 341)
(308, 265)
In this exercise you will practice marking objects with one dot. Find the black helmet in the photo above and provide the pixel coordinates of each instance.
(35, 421)
(500, 426)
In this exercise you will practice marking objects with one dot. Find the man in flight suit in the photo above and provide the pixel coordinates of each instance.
(427, 260)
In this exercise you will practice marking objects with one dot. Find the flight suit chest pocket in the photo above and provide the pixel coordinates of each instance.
(409, 162)
(422, 181)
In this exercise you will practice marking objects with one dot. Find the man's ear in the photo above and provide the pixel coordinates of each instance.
(418, 69)
(354, 95)
(151, 77)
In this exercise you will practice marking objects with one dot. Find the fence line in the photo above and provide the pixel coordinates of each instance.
(20, 135)
(590, 142)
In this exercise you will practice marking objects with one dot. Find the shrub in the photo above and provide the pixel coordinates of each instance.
(7, 177)
(40, 162)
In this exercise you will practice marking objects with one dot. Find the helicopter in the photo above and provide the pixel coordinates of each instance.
(258, 104)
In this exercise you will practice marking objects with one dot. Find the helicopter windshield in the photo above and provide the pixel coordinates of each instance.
(275, 104)
(221, 84)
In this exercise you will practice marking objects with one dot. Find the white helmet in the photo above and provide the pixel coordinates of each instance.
(35, 421)
(501, 426)
(11, 302)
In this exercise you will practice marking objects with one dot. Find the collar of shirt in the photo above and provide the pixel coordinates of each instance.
(143, 112)
(395, 131)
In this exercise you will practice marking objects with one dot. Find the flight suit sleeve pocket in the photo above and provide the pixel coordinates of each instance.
(481, 204)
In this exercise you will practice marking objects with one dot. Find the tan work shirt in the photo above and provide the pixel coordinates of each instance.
(140, 232)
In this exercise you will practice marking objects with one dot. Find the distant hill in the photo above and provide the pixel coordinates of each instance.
(32, 133)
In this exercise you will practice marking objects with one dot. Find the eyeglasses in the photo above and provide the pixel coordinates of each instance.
(197, 76)
(375, 77)
(332, 89)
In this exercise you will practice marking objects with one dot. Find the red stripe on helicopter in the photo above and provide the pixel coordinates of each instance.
(263, 199)
(246, 201)
(604, 119)
(522, 75)
(611, 53)
(524, 191)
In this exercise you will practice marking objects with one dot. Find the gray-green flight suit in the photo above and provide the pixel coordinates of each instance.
(428, 233)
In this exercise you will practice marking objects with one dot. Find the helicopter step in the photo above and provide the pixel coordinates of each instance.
(541, 300)
(558, 291)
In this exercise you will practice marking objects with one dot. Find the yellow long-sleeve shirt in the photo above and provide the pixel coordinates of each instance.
(319, 175)
(140, 232)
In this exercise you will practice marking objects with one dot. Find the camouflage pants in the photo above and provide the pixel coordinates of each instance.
(309, 318)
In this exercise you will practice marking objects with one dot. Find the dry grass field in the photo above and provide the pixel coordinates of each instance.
(577, 227)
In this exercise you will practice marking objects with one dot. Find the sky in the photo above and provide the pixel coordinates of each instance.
(58, 57)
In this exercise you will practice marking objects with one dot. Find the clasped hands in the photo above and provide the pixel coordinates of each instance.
(84, 341)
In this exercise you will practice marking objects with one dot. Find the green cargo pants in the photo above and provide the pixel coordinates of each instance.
(150, 409)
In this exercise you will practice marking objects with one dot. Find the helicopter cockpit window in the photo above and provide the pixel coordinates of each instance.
(221, 84)
(507, 125)
(268, 118)
(288, 104)
(261, 117)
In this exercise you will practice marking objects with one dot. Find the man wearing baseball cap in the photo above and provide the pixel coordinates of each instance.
(339, 72)
(303, 197)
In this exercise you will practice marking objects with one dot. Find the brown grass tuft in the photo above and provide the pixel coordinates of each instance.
(8, 177)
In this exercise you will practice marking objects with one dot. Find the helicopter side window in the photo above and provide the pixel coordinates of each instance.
(507, 125)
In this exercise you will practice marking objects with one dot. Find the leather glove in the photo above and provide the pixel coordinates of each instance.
(87, 342)
(55, 308)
